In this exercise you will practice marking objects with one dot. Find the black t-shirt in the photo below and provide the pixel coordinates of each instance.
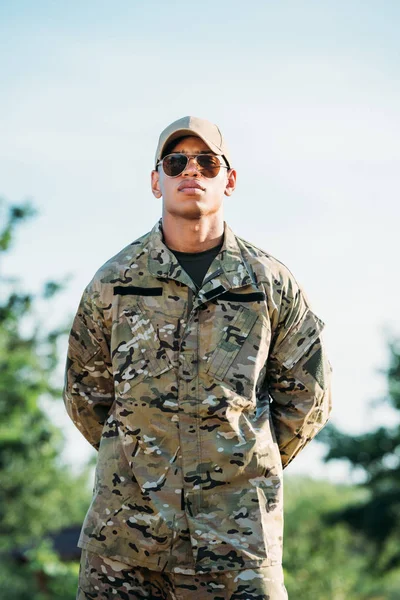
(196, 264)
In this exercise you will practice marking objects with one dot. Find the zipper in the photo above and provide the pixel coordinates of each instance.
(170, 557)
(190, 304)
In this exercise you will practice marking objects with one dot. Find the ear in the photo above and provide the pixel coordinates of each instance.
(231, 182)
(155, 184)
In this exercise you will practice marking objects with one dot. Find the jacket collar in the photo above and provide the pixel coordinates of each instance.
(162, 262)
(228, 270)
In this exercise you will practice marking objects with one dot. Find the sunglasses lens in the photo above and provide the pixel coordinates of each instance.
(209, 165)
(175, 164)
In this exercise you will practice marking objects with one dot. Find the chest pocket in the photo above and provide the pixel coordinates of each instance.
(138, 352)
(230, 360)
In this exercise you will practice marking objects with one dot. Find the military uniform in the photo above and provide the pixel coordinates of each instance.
(196, 400)
(105, 578)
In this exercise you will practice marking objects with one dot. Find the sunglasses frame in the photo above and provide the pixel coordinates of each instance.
(188, 157)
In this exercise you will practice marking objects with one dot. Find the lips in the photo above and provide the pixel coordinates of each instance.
(190, 184)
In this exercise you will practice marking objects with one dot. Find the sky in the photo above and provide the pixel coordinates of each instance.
(307, 95)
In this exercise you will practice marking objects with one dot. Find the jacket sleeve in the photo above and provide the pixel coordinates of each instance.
(89, 389)
(298, 375)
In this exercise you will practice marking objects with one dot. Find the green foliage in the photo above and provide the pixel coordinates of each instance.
(328, 561)
(11, 216)
(43, 577)
(377, 455)
(38, 494)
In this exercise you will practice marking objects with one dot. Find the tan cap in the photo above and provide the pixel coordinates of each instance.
(208, 132)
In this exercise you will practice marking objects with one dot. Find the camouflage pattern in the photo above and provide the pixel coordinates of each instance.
(196, 401)
(102, 578)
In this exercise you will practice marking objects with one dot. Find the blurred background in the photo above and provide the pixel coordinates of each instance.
(307, 93)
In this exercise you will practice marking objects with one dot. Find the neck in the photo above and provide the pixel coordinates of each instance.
(187, 235)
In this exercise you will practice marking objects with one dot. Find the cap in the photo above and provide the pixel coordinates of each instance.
(208, 132)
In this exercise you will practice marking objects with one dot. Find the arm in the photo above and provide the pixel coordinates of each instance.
(89, 387)
(298, 375)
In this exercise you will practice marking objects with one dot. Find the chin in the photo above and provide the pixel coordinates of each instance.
(194, 213)
(191, 209)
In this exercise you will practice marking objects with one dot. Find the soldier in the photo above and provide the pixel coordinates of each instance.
(196, 369)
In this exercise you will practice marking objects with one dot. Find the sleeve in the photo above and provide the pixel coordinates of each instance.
(89, 388)
(298, 375)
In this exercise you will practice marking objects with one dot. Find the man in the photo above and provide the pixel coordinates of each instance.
(196, 368)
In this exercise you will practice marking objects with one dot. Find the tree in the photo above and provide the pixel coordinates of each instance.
(323, 560)
(38, 493)
(377, 455)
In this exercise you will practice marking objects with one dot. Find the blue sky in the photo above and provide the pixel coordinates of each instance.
(307, 95)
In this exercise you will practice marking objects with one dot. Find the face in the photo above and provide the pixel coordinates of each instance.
(191, 195)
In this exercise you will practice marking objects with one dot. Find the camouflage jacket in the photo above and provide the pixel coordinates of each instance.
(196, 400)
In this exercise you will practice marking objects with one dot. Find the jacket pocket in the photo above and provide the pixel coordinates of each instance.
(233, 339)
(138, 352)
(244, 523)
(127, 526)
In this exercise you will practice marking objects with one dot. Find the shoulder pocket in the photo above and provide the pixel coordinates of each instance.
(297, 342)
(82, 348)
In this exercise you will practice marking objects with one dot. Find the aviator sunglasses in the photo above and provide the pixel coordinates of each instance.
(208, 164)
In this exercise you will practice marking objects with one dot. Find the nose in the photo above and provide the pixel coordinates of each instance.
(192, 168)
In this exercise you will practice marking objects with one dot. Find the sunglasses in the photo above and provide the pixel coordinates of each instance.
(208, 164)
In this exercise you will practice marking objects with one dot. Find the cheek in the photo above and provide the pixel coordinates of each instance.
(166, 187)
(218, 187)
